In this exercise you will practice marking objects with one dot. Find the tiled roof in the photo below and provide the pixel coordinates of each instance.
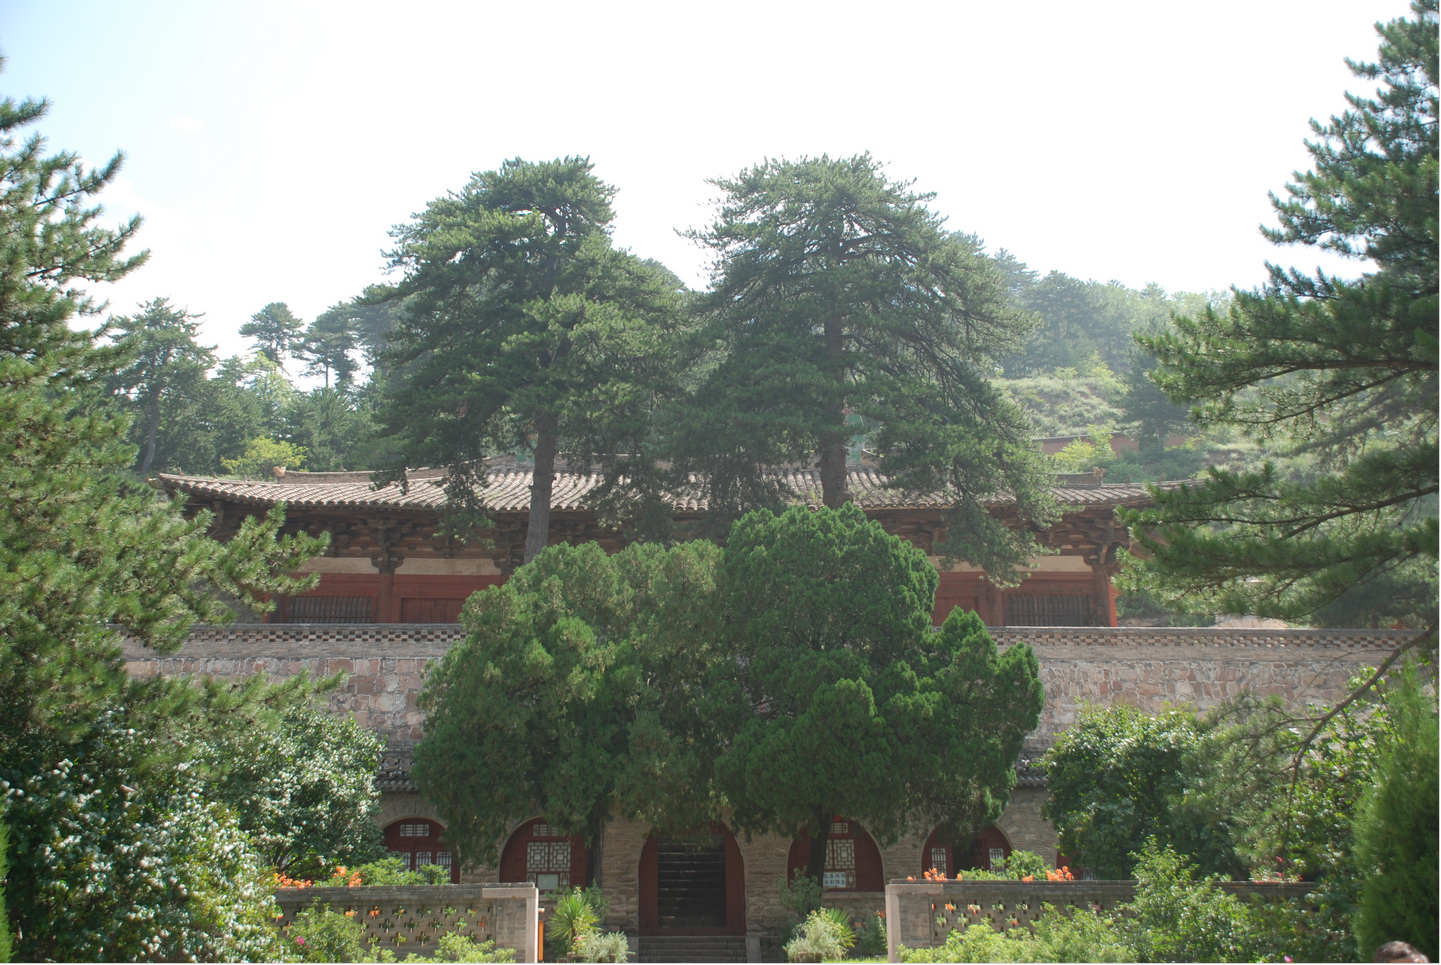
(508, 491)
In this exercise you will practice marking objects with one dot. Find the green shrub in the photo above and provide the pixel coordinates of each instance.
(1176, 918)
(1022, 864)
(974, 943)
(391, 871)
(320, 935)
(1396, 827)
(1069, 936)
(593, 946)
(575, 915)
(1078, 935)
(5, 947)
(122, 860)
(458, 948)
(819, 939)
(871, 936)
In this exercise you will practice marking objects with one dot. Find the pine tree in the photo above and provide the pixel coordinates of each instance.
(1344, 371)
(275, 330)
(840, 308)
(165, 365)
(328, 344)
(524, 330)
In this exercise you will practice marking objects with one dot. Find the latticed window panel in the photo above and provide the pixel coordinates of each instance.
(938, 860)
(417, 829)
(840, 871)
(997, 856)
(547, 864)
(329, 609)
(1049, 610)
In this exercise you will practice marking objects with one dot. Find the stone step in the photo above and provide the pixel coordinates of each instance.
(691, 948)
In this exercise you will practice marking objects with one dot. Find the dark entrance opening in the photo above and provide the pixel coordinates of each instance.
(692, 884)
(691, 881)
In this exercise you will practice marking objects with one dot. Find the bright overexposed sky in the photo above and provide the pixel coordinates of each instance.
(270, 146)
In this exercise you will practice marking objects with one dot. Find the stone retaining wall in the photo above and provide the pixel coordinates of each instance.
(412, 918)
(922, 914)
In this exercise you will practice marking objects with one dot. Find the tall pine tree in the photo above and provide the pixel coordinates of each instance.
(839, 307)
(524, 330)
(1342, 369)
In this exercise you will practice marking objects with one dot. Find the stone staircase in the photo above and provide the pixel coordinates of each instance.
(691, 948)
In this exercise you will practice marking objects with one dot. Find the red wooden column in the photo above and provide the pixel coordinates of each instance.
(385, 598)
(992, 606)
(1105, 596)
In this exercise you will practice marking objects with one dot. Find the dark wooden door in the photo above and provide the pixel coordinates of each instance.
(692, 884)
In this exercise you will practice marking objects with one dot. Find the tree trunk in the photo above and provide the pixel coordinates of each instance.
(542, 481)
(835, 484)
(150, 435)
(816, 862)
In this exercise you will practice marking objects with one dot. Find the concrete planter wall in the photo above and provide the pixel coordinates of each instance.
(412, 918)
(921, 914)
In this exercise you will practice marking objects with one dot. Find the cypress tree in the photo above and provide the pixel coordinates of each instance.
(1396, 831)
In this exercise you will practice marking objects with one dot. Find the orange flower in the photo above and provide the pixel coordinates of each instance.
(1030, 878)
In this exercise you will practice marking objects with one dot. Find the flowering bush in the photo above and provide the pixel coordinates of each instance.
(304, 788)
(118, 868)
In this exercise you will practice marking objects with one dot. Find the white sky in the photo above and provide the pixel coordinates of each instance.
(272, 145)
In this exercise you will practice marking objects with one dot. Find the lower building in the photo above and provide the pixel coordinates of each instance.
(721, 885)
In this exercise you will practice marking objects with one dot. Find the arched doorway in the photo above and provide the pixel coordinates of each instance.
(693, 884)
(416, 841)
(539, 853)
(853, 862)
(982, 853)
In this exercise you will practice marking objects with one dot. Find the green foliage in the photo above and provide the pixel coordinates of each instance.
(1344, 370)
(593, 946)
(871, 941)
(164, 365)
(1023, 864)
(821, 938)
(275, 331)
(1082, 455)
(1396, 826)
(389, 871)
(1116, 779)
(304, 789)
(1077, 935)
(574, 916)
(524, 330)
(835, 294)
(1059, 406)
(6, 942)
(829, 619)
(589, 684)
(51, 249)
(318, 934)
(122, 860)
(800, 896)
(262, 456)
(1177, 918)
(974, 943)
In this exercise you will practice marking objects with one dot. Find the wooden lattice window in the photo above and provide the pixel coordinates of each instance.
(1049, 610)
(330, 609)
